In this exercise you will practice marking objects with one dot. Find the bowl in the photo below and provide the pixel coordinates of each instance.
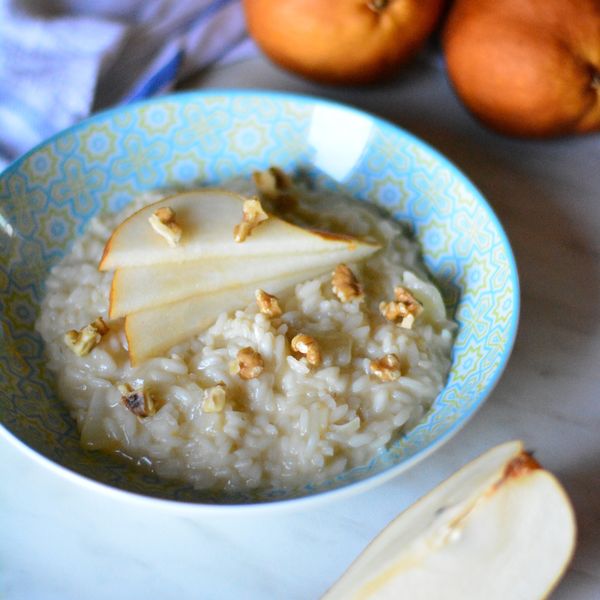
(48, 196)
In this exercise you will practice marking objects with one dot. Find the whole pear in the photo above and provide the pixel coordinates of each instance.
(527, 67)
(342, 41)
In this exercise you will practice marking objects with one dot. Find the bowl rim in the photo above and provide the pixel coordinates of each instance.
(353, 487)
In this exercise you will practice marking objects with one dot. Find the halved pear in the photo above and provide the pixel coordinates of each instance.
(138, 288)
(152, 331)
(501, 527)
(207, 218)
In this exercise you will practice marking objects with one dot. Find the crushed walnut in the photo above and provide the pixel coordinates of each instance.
(272, 182)
(307, 346)
(214, 398)
(344, 284)
(82, 342)
(249, 364)
(252, 215)
(163, 222)
(268, 304)
(137, 400)
(274, 185)
(386, 368)
(405, 308)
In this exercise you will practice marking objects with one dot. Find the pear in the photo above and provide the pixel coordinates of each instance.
(138, 288)
(152, 331)
(527, 67)
(206, 219)
(342, 42)
(501, 527)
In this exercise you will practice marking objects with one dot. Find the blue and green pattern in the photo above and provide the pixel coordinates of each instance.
(199, 138)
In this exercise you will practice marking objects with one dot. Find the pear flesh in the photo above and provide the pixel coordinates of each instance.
(501, 527)
(207, 218)
(139, 288)
(152, 331)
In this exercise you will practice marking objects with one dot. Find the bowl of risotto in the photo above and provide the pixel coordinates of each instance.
(241, 298)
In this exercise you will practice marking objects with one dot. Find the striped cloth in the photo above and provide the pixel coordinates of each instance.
(60, 60)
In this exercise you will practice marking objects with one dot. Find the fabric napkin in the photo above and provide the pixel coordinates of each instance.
(62, 59)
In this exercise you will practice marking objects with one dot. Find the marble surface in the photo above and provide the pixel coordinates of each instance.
(60, 540)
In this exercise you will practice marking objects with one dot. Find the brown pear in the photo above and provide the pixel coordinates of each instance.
(527, 67)
(342, 41)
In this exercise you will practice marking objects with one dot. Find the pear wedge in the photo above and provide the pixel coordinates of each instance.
(152, 331)
(139, 288)
(501, 527)
(207, 218)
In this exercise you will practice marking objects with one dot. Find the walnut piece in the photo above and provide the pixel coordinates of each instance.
(163, 222)
(249, 365)
(252, 215)
(307, 346)
(274, 185)
(405, 308)
(82, 342)
(267, 304)
(386, 368)
(344, 284)
(214, 398)
(272, 182)
(137, 400)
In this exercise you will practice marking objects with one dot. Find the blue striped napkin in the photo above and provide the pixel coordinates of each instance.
(60, 60)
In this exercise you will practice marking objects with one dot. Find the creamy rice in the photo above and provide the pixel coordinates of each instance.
(291, 425)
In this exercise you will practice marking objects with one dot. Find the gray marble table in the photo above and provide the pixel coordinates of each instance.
(61, 540)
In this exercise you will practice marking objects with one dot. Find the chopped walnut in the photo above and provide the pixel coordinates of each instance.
(214, 398)
(268, 304)
(309, 347)
(274, 185)
(249, 364)
(405, 308)
(137, 400)
(252, 214)
(82, 342)
(271, 182)
(408, 321)
(403, 295)
(386, 368)
(344, 284)
(163, 222)
(393, 311)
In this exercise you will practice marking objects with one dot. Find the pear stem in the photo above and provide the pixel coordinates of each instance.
(377, 5)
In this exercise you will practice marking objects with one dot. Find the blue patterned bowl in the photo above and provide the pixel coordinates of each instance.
(48, 196)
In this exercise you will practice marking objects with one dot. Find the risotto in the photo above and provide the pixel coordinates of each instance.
(297, 422)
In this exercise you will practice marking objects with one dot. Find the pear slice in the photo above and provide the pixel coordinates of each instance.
(501, 527)
(207, 218)
(152, 331)
(138, 288)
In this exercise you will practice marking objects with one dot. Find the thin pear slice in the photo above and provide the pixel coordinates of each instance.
(207, 218)
(138, 288)
(499, 528)
(150, 332)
